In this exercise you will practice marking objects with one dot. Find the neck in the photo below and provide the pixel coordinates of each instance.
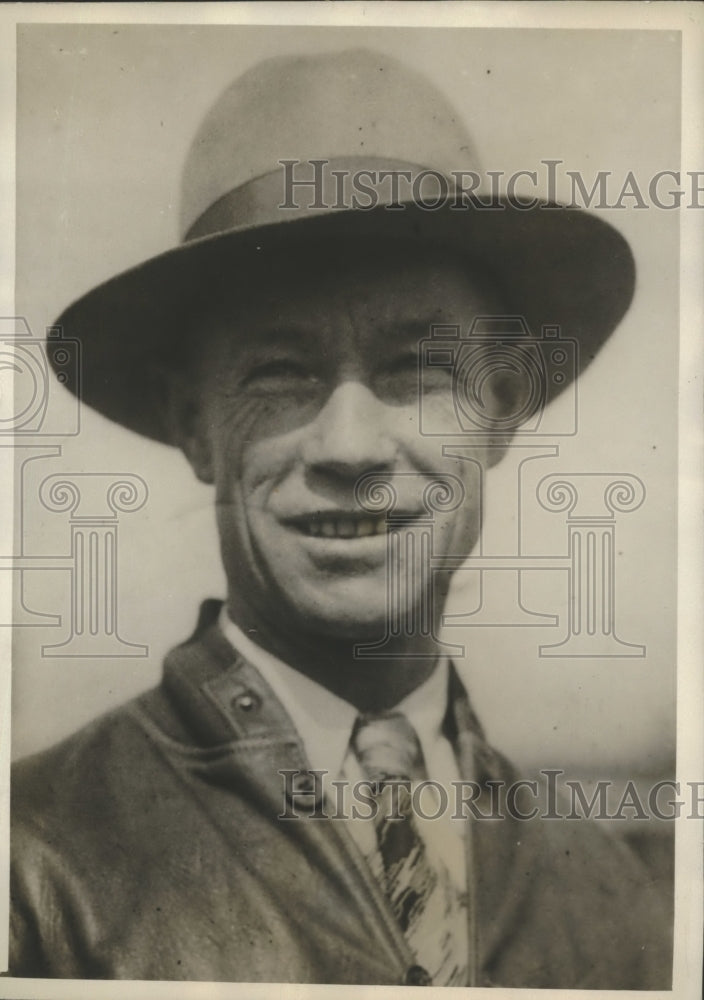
(373, 684)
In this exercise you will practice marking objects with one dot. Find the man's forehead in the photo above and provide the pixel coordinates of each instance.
(390, 292)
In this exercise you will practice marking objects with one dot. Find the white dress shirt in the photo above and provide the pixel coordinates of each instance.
(324, 723)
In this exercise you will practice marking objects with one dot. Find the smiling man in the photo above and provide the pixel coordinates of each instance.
(278, 348)
(284, 422)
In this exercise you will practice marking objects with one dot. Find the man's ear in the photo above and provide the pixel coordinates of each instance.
(509, 392)
(183, 414)
(497, 447)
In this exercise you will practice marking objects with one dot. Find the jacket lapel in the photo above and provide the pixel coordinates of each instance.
(229, 706)
(501, 852)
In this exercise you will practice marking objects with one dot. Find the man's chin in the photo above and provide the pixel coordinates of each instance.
(358, 614)
(355, 624)
(337, 606)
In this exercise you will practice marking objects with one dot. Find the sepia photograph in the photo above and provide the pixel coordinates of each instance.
(342, 400)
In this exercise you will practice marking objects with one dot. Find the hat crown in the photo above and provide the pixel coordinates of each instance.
(356, 103)
(360, 111)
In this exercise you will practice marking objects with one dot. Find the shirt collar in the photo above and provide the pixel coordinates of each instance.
(323, 720)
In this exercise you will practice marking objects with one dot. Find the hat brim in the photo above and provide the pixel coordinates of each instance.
(559, 266)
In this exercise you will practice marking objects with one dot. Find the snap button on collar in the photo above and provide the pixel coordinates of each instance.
(418, 976)
(247, 701)
(306, 783)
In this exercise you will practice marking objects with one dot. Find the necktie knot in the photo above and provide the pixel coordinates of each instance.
(387, 747)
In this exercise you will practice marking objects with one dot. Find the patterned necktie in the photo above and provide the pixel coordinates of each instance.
(422, 896)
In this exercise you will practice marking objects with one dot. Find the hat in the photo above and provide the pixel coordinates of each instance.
(336, 147)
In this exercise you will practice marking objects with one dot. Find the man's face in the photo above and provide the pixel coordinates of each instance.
(306, 388)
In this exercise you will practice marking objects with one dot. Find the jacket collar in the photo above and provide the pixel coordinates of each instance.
(224, 699)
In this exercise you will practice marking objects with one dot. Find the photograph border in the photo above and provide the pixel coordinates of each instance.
(687, 18)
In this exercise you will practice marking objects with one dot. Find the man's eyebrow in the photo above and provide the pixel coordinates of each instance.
(408, 330)
(283, 335)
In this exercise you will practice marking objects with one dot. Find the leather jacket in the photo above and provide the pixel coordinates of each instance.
(147, 846)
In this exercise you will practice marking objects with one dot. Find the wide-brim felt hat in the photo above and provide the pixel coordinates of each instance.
(351, 111)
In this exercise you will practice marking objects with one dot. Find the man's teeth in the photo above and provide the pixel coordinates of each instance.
(345, 527)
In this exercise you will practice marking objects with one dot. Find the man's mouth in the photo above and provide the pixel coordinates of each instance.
(340, 525)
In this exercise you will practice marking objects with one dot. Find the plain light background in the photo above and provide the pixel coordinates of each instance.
(105, 115)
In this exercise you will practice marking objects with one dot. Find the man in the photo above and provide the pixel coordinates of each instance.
(178, 837)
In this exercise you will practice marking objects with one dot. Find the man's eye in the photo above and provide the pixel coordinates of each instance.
(397, 379)
(280, 374)
(404, 364)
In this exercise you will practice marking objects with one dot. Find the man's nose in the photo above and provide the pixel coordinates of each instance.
(351, 434)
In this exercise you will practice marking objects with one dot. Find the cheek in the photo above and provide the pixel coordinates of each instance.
(250, 469)
(248, 418)
(455, 531)
(248, 438)
(437, 407)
